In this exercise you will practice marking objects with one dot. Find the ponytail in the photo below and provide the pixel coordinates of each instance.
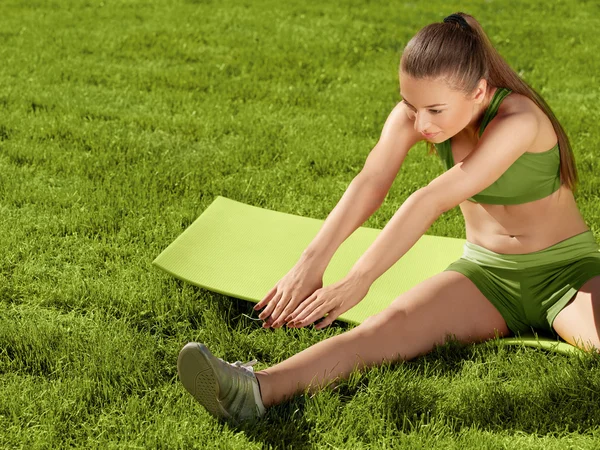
(463, 57)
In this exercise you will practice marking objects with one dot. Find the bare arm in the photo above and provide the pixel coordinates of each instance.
(484, 165)
(369, 188)
(358, 203)
(404, 229)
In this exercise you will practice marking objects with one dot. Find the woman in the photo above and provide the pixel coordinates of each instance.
(530, 261)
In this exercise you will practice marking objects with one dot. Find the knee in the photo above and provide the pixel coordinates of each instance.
(365, 323)
(378, 322)
(368, 323)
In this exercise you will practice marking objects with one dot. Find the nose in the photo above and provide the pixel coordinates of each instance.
(421, 125)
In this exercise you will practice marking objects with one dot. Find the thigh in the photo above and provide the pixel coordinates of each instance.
(447, 304)
(579, 322)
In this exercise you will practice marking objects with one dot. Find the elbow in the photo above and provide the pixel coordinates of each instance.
(432, 200)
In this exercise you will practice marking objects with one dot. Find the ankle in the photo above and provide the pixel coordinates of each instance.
(262, 382)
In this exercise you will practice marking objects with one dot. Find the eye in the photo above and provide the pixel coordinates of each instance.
(434, 111)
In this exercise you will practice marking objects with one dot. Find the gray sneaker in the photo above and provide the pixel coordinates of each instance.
(226, 390)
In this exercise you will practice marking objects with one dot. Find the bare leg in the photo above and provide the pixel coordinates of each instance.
(314, 367)
(445, 304)
(578, 323)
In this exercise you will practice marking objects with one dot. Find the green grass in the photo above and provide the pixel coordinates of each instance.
(121, 121)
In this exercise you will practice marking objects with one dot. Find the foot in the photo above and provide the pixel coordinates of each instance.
(226, 390)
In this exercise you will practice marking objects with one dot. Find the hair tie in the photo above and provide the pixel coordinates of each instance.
(456, 18)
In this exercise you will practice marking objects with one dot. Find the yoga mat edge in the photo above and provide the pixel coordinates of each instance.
(242, 251)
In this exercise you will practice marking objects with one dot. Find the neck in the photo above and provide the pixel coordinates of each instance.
(471, 131)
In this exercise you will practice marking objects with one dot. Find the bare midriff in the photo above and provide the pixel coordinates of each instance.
(525, 228)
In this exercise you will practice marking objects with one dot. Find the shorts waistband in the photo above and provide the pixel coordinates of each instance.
(575, 247)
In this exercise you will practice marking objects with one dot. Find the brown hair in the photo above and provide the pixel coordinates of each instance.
(462, 58)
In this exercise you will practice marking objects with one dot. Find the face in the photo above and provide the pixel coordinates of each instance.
(453, 112)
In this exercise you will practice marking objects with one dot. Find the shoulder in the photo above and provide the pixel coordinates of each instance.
(518, 104)
(400, 126)
(522, 106)
(515, 121)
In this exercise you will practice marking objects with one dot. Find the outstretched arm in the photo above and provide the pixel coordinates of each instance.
(408, 224)
(504, 140)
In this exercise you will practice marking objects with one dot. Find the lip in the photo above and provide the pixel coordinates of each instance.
(431, 135)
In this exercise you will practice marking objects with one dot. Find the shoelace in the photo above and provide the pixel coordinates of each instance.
(247, 365)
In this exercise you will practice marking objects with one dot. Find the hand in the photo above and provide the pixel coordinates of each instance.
(300, 282)
(332, 300)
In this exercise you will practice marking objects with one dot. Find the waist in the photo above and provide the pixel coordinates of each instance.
(573, 248)
(526, 228)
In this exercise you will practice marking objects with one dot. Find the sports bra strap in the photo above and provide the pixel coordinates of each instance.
(492, 109)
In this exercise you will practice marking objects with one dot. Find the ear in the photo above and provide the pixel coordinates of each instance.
(481, 91)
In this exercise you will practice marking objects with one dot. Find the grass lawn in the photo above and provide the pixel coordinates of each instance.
(121, 121)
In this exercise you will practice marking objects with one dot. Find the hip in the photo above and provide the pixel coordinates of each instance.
(579, 246)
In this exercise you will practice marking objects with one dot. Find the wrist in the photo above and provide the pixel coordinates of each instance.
(311, 257)
(360, 276)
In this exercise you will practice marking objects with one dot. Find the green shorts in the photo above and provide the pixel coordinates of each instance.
(530, 289)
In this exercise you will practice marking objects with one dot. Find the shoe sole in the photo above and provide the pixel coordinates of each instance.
(198, 376)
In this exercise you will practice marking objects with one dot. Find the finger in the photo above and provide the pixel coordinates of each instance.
(289, 313)
(307, 308)
(268, 323)
(280, 321)
(301, 308)
(271, 306)
(274, 320)
(304, 318)
(293, 308)
(316, 314)
(327, 320)
(266, 299)
(282, 305)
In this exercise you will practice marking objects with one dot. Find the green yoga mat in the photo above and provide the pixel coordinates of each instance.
(242, 251)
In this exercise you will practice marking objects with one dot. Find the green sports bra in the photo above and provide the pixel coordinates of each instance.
(531, 177)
